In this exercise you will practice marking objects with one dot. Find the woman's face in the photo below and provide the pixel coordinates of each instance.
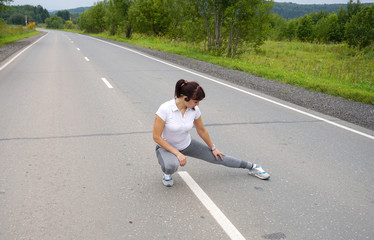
(192, 103)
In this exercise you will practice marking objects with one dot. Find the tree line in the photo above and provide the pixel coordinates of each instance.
(16, 15)
(223, 26)
(226, 27)
(354, 25)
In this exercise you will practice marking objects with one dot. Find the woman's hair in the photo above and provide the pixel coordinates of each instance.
(190, 89)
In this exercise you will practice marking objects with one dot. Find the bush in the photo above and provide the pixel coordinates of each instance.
(54, 22)
(359, 31)
(305, 29)
(69, 24)
(31, 25)
(93, 20)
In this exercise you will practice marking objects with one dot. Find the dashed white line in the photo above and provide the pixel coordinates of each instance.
(107, 83)
(218, 215)
(87, 59)
(78, 49)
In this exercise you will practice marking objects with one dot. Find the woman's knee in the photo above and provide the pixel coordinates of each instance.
(171, 167)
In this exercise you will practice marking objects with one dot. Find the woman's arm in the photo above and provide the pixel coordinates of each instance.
(158, 127)
(203, 133)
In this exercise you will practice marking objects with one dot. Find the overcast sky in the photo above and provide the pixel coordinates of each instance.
(69, 4)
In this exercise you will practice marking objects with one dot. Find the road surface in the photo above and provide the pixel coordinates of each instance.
(77, 157)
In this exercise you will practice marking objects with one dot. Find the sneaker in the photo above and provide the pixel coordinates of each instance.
(259, 172)
(167, 180)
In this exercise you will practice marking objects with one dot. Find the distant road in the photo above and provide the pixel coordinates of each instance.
(77, 158)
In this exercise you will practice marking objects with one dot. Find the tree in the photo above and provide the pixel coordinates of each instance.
(249, 23)
(117, 17)
(359, 30)
(353, 8)
(55, 22)
(292, 26)
(3, 5)
(17, 19)
(305, 29)
(93, 20)
(342, 21)
(327, 29)
(316, 16)
(150, 16)
(333, 34)
(64, 14)
(228, 23)
(41, 14)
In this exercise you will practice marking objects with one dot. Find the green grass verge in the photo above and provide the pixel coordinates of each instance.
(333, 69)
(14, 37)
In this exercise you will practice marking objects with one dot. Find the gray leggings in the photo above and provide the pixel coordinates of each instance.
(169, 162)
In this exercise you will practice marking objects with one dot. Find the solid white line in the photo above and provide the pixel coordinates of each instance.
(222, 220)
(24, 50)
(107, 83)
(87, 59)
(243, 91)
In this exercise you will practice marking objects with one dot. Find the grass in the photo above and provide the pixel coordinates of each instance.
(9, 34)
(333, 69)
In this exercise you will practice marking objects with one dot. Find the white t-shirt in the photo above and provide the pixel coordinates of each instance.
(177, 128)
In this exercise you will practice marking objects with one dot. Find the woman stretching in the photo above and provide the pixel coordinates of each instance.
(173, 121)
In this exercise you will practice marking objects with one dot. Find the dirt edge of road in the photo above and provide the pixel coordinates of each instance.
(354, 112)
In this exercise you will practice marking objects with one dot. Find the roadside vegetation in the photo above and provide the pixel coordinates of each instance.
(9, 34)
(13, 21)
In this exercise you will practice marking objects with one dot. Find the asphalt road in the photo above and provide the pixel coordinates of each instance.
(77, 158)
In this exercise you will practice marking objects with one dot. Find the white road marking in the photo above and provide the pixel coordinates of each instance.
(87, 59)
(243, 91)
(78, 49)
(24, 50)
(222, 220)
(107, 83)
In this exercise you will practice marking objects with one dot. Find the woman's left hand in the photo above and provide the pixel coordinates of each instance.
(217, 154)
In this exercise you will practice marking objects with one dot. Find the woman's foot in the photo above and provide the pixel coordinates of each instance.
(167, 180)
(259, 172)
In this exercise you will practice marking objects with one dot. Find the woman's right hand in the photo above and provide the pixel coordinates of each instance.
(182, 159)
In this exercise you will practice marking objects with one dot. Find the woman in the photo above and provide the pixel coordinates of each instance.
(173, 121)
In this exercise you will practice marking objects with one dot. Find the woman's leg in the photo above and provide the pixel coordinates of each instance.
(168, 161)
(201, 151)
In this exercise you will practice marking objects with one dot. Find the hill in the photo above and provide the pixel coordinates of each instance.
(293, 10)
(73, 10)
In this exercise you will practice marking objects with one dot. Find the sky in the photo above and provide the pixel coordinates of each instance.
(69, 4)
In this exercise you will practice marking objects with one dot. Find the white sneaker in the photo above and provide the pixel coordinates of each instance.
(259, 172)
(167, 180)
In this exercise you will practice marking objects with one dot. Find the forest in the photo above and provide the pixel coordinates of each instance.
(16, 15)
